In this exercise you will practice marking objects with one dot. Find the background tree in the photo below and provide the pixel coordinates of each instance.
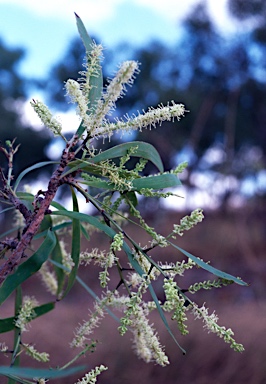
(12, 95)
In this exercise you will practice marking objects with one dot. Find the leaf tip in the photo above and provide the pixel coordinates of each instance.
(77, 16)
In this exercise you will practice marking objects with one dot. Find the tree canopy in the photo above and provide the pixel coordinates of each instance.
(12, 95)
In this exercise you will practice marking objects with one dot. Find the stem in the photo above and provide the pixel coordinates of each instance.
(88, 347)
(16, 380)
(122, 280)
(17, 334)
(108, 218)
(38, 216)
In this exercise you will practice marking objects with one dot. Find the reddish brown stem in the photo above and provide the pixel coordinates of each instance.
(38, 215)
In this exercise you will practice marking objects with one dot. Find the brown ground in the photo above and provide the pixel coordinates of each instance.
(233, 242)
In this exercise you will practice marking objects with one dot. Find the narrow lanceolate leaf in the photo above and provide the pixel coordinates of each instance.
(143, 150)
(131, 196)
(56, 255)
(28, 268)
(8, 324)
(87, 219)
(155, 299)
(29, 197)
(100, 184)
(17, 332)
(34, 372)
(32, 168)
(167, 180)
(85, 37)
(75, 248)
(96, 81)
(209, 268)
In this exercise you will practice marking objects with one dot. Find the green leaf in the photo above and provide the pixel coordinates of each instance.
(167, 180)
(8, 324)
(131, 196)
(17, 333)
(93, 294)
(32, 168)
(88, 219)
(56, 255)
(144, 150)
(16, 380)
(96, 81)
(75, 249)
(209, 268)
(100, 184)
(86, 39)
(33, 372)
(30, 197)
(46, 223)
(54, 229)
(28, 268)
(155, 299)
(25, 196)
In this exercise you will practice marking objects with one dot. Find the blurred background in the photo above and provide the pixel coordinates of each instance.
(210, 56)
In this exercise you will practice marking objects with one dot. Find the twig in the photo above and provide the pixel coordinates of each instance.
(38, 215)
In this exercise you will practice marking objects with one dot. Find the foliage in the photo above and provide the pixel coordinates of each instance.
(108, 182)
(12, 97)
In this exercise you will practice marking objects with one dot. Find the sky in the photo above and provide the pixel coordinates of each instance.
(45, 28)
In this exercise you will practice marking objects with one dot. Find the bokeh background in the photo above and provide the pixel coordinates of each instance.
(210, 56)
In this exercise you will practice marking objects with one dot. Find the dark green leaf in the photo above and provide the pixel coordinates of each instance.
(131, 196)
(28, 268)
(209, 268)
(86, 39)
(88, 219)
(100, 184)
(33, 372)
(32, 168)
(167, 180)
(155, 299)
(75, 249)
(46, 223)
(30, 197)
(8, 324)
(56, 255)
(96, 81)
(17, 333)
(144, 150)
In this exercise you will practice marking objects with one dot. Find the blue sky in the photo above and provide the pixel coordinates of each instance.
(45, 28)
